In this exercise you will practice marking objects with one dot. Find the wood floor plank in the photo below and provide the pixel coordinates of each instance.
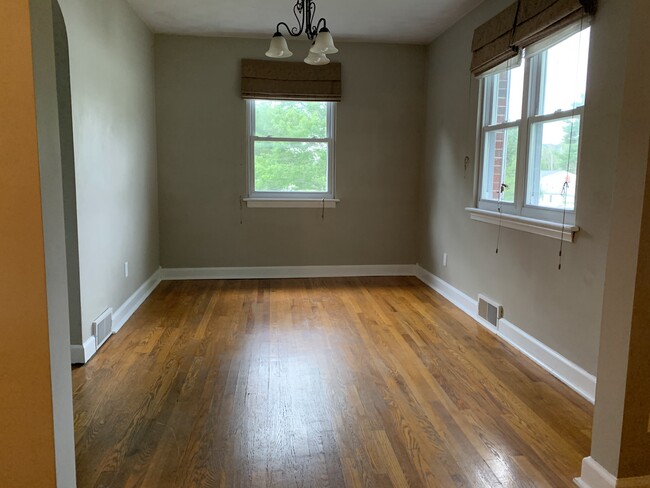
(324, 382)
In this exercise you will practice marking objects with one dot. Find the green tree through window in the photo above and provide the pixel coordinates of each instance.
(291, 147)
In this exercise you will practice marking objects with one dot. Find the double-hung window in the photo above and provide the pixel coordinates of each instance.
(291, 149)
(531, 116)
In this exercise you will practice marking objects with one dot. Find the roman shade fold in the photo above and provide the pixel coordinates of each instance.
(281, 80)
(491, 44)
(520, 25)
(538, 19)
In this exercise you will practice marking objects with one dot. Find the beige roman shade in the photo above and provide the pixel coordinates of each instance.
(491, 45)
(538, 19)
(281, 80)
(520, 25)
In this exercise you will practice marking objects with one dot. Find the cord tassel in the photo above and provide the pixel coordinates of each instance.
(503, 188)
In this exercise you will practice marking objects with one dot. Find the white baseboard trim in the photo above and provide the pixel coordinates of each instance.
(132, 303)
(454, 295)
(593, 475)
(264, 272)
(569, 373)
(566, 371)
(81, 354)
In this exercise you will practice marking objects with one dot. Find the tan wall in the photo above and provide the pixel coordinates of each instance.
(26, 422)
(202, 160)
(562, 309)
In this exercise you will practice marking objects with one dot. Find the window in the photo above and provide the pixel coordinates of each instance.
(530, 132)
(291, 149)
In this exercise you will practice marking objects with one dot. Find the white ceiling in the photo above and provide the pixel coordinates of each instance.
(399, 21)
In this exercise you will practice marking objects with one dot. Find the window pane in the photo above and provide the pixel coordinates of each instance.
(290, 119)
(500, 164)
(503, 96)
(290, 166)
(553, 163)
(564, 74)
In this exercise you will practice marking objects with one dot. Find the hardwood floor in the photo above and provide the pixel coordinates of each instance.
(319, 383)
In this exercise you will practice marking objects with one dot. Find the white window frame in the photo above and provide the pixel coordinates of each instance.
(291, 198)
(533, 75)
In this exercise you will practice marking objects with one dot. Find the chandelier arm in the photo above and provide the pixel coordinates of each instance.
(318, 26)
(292, 31)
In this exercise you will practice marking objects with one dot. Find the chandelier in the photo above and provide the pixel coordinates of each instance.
(319, 34)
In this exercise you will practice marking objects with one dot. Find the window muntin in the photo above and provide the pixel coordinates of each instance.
(536, 155)
(290, 149)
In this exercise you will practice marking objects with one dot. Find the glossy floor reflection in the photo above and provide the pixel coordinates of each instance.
(319, 383)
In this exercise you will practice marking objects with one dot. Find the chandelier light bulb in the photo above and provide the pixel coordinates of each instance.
(324, 43)
(316, 59)
(278, 47)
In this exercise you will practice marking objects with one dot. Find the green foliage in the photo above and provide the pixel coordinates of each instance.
(291, 166)
(290, 119)
(556, 157)
(512, 138)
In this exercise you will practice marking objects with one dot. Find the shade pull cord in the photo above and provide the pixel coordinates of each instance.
(467, 124)
(565, 186)
(514, 28)
(322, 213)
(241, 210)
(503, 188)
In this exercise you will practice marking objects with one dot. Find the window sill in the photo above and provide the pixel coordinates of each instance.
(291, 202)
(525, 224)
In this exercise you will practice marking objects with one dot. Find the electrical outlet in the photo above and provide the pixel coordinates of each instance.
(444, 259)
(126, 269)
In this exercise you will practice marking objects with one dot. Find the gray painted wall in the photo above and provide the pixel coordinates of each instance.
(202, 160)
(64, 97)
(113, 115)
(560, 308)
